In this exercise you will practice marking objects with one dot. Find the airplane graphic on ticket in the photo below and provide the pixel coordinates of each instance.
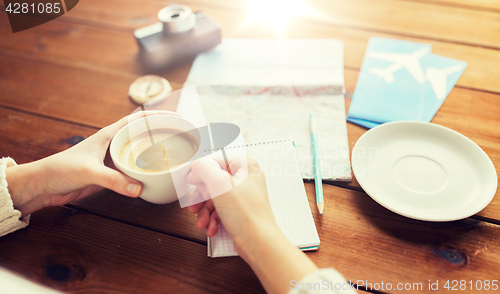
(409, 61)
(437, 78)
(401, 80)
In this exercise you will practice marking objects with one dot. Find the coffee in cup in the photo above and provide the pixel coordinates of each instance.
(172, 148)
(180, 140)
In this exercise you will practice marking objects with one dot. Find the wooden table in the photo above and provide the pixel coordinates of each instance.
(67, 78)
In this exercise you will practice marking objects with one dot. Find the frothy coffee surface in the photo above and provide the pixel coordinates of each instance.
(173, 148)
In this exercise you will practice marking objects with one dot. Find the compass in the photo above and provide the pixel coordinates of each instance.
(150, 88)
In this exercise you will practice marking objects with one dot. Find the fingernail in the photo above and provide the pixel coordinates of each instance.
(133, 189)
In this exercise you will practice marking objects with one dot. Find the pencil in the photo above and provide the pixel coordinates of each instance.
(318, 184)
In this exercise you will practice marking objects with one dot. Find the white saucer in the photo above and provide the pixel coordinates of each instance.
(424, 171)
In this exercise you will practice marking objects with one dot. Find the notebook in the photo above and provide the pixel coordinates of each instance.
(287, 196)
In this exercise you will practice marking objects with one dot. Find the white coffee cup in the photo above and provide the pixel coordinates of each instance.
(162, 186)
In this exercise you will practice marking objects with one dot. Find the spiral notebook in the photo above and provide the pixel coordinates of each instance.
(287, 195)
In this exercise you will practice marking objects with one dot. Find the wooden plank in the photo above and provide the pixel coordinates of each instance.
(82, 46)
(421, 245)
(81, 253)
(487, 5)
(80, 95)
(359, 133)
(478, 74)
(477, 111)
(103, 49)
(489, 213)
(494, 207)
(126, 69)
(171, 218)
(27, 138)
(471, 113)
(400, 18)
(94, 250)
(134, 14)
(352, 224)
(362, 240)
(365, 241)
(78, 44)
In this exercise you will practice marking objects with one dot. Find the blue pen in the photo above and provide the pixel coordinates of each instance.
(318, 184)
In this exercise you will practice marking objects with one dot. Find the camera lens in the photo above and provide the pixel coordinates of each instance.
(177, 19)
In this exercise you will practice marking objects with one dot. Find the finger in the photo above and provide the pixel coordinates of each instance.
(193, 179)
(213, 225)
(210, 173)
(232, 162)
(203, 218)
(236, 165)
(116, 181)
(194, 208)
(210, 205)
(202, 195)
(204, 215)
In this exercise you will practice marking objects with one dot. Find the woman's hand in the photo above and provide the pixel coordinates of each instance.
(72, 174)
(247, 217)
(241, 209)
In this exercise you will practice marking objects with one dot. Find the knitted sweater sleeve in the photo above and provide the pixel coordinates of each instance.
(10, 218)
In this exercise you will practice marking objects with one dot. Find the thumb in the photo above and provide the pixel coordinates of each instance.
(116, 181)
(208, 172)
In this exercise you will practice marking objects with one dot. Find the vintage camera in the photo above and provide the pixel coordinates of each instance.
(179, 36)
